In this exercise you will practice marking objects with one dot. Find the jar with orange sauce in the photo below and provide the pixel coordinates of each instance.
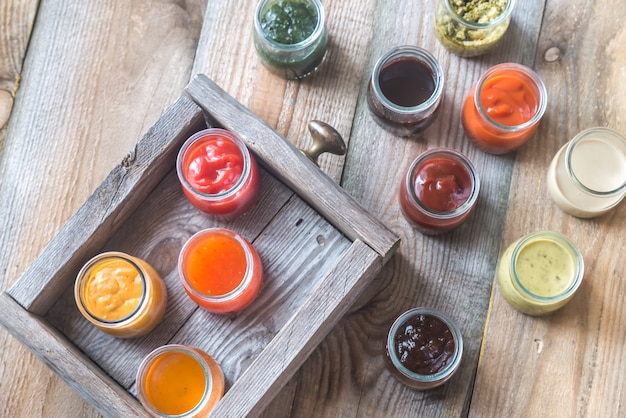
(179, 381)
(503, 109)
(121, 295)
(220, 270)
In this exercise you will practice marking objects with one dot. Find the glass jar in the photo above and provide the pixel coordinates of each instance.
(424, 348)
(218, 174)
(220, 270)
(539, 273)
(121, 295)
(406, 90)
(494, 118)
(468, 32)
(587, 176)
(439, 191)
(290, 36)
(179, 381)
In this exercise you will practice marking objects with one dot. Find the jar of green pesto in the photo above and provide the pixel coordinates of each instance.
(290, 36)
(469, 28)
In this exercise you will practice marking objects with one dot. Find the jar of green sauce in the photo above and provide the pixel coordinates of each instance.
(539, 273)
(290, 36)
(469, 28)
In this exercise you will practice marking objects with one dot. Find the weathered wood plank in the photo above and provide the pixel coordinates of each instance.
(273, 368)
(67, 361)
(453, 272)
(570, 363)
(95, 77)
(16, 20)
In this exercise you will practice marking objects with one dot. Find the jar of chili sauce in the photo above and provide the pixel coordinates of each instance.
(406, 90)
(121, 295)
(220, 270)
(424, 348)
(179, 381)
(439, 190)
(503, 109)
(218, 173)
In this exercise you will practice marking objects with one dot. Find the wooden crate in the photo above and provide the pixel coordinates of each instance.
(319, 248)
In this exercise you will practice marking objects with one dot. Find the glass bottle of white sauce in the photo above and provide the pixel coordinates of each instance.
(587, 176)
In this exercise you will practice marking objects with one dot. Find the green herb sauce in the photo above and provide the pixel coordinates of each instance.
(289, 21)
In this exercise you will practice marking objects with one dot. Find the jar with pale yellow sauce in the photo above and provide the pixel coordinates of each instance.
(539, 273)
(121, 295)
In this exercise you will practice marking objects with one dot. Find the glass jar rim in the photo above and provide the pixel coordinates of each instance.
(475, 25)
(442, 374)
(456, 156)
(81, 282)
(315, 35)
(564, 242)
(208, 134)
(153, 356)
(424, 57)
(605, 133)
(526, 72)
(245, 281)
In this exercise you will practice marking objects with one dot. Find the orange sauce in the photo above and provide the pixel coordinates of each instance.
(216, 265)
(215, 273)
(512, 103)
(121, 295)
(509, 100)
(175, 383)
(113, 289)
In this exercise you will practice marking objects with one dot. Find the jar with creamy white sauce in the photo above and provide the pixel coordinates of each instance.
(587, 176)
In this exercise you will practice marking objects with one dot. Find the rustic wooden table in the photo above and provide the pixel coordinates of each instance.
(81, 81)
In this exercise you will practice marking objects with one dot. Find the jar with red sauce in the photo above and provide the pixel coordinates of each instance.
(220, 270)
(406, 90)
(218, 173)
(439, 191)
(503, 109)
(424, 348)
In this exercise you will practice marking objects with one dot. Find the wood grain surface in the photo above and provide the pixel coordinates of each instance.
(96, 74)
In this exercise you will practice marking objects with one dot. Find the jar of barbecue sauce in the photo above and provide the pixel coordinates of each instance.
(439, 191)
(424, 348)
(220, 270)
(218, 173)
(290, 36)
(179, 381)
(503, 109)
(539, 273)
(406, 90)
(120, 294)
(587, 176)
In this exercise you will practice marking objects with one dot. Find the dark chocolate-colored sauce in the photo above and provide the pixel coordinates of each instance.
(424, 344)
(407, 82)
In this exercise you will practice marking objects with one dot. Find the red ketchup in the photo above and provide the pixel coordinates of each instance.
(502, 111)
(218, 174)
(439, 191)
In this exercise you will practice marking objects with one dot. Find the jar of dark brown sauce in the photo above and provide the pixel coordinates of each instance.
(406, 90)
(424, 348)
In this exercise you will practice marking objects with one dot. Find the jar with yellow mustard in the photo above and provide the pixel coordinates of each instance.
(539, 273)
(120, 294)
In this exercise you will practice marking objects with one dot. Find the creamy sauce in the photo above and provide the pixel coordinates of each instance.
(599, 165)
(113, 290)
(545, 268)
